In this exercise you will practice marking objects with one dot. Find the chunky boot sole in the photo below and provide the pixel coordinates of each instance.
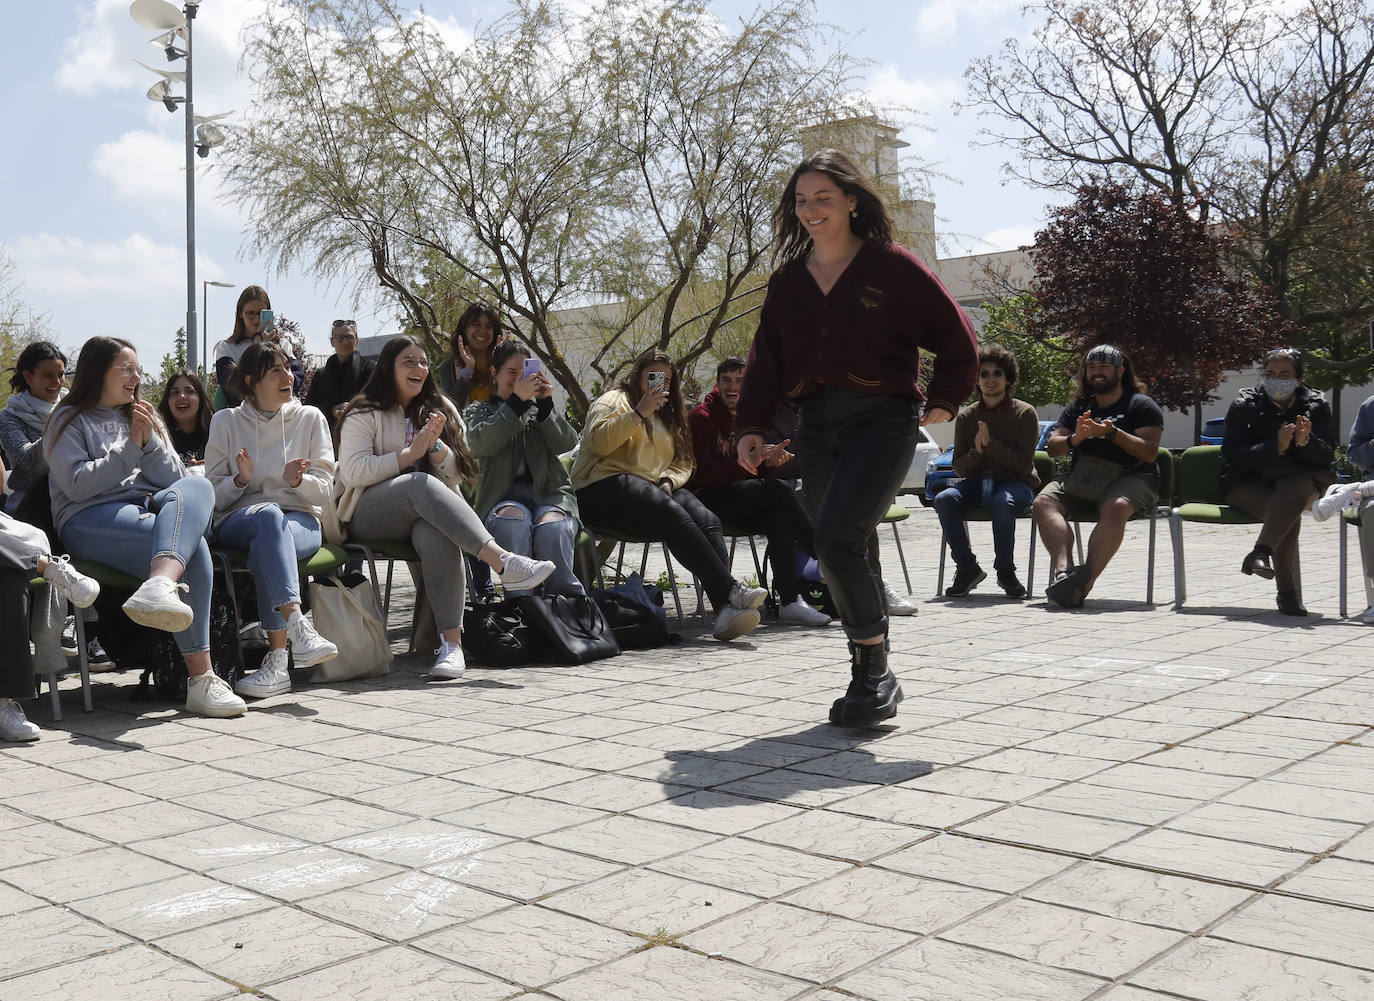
(844, 713)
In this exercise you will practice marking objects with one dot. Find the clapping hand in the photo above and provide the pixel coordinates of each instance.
(465, 353)
(246, 466)
(983, 437)
(1302, 430)
(1286, 436)
(142, 420)
(294, 472)
(1089, 428)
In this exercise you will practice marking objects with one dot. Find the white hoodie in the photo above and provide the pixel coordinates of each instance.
(293, 432)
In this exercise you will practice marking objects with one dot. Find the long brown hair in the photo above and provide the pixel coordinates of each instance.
(380, 394)
(246, 296)
(1129, 384)
(870, 221)
(470, 315)
(97, 355)
(203, 410)
(674, 414)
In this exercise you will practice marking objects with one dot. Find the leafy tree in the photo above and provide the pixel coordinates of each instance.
(627, 155)
(1046, 366)
(1132, 269)
(1258, 116)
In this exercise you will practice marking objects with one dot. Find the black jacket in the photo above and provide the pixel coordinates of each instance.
(335, 383)
(1250, 448)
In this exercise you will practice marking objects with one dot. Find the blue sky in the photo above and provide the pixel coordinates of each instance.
(93, 188)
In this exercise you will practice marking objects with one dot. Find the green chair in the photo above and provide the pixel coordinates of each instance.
(36, 585)
(1199, 500)
(106, 576)
(896, 513)
(1348, 518)
(1044, 468)
(1165, 460)
(389, 550)
(232, 561)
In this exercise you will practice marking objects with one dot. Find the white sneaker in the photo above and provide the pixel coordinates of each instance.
(450, 663)
(742, 596)
(14, 725)
(156, 604)
(208, 695)
(896, 604)
(1368, 617)
(732, 623)
(74, 585)
(307, 646)
(799, 613)
(272, 678)
(520, 573)
(1338, 497)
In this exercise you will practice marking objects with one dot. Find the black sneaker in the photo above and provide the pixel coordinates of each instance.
(1011, 584)
(1069, 588)
(96, 657)
(965, 580)
(1257, 562)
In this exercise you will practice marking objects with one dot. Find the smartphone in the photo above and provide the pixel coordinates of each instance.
(269, 321)
(531, 367)
(658, 380)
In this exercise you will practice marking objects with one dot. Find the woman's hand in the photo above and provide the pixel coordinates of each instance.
(294, 472)
(1302, 431)
(1286, 436)
(142, 420)
(246, 467)
(465, 353)
(527, 387)
(653, 398)
(544, 388)
(777, 455)
(749, 449)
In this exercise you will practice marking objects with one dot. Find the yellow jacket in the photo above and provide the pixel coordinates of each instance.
(615, 440)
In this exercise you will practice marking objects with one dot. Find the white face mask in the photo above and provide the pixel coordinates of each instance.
(1279, 389)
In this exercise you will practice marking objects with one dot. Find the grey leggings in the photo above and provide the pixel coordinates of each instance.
(434, 518)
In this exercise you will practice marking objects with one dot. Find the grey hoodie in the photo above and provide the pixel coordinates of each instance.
(95, 461)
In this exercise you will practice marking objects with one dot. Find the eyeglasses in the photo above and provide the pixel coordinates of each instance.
(131, 370)
(345, 323)
(184, 391)
(991, 373)
(337, 336)
(415, 363)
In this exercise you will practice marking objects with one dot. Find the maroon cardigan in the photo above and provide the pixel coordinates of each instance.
(867, 333)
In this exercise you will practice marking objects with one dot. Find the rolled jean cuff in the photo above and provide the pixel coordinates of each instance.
(170, 554)
(867, 632)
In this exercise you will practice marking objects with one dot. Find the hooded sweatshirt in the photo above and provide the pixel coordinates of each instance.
(272, 440)
(95, 461)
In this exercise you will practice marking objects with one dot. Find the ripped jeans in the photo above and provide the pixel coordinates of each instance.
(546, 533)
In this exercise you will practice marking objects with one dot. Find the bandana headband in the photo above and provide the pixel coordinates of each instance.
(1107, 353)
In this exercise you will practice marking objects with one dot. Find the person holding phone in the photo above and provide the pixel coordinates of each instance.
(843, 325)
(185, 410)
(524, 494)
(465, 375)
(121, 496)
(271, 462)
(632, 470)
(254, 321)
(403, 461)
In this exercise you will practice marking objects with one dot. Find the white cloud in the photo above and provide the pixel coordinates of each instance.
(455, 36)
(940, 19)
(1006, 238)
(149, 169)
(99, 56)
(887, 87)
(136, 267)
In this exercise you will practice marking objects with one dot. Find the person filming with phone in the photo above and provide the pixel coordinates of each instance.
(524, 494)
(254, 322)
(632, 470)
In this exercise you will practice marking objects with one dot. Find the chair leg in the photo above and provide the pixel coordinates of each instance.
(758, 563)
(940, 579)
(386, 601)
(730, 562)
(1030, 560)
(896, 537)
(1180, 580)
(1344, 536)
(84, 660)
(1078, 538)
(644, 560)
(1150, 571)
(672, 578)
(221, 560)
(367, 554)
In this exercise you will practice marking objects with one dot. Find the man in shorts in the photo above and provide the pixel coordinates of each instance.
(1112, 431)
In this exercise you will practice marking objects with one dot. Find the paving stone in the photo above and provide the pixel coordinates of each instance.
(667, 974)
(936, 970)
(1212, 970)
(136, 973)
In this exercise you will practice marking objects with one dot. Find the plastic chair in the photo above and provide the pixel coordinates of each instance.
(1348, 518)
(896, 513)
(1165, 460)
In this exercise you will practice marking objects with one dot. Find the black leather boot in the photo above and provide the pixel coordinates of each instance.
(873, 691)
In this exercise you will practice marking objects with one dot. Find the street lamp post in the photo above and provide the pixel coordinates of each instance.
(205, 326)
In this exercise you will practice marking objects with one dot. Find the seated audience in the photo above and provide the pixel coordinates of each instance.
(765, 504)
(465, 375)
(1277, 453)
(185, 410)
(342, 377)
(111, 466)
(403, 460)
(38, 382)
(524, 493)
(1112, 431)
(631, 473)
(994, 454)
(271, 462)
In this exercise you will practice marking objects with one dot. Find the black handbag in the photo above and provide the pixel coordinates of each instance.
(636, 615)
(496, 635)
(573, 627)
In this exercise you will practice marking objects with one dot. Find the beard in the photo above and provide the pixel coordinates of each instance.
(1104, 383)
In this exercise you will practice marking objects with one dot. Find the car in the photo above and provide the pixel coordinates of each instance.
(940, 472)
(1213, 431)
(926, 449)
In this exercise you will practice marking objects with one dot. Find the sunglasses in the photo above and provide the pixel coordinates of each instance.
(345, 323)
(991, 373)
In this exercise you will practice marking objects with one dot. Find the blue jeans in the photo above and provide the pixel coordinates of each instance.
(128, 537)
(553, 540)
(1004, 499)
(276, 541)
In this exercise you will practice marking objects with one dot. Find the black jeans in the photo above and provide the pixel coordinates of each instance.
(631, 505)
(772, 508)
(854, 449)
(16, 663)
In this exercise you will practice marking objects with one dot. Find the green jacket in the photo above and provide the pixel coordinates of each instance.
(501, 433)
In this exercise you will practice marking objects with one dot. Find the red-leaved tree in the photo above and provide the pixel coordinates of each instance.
(1130, 268)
